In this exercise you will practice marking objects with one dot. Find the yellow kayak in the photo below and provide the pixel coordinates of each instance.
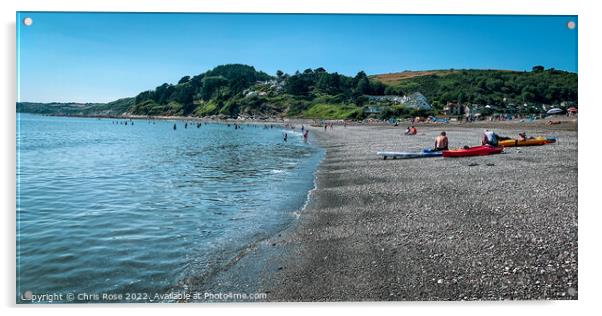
(536, 141)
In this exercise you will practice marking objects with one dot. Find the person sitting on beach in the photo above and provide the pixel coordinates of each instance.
(413, 130)
(441, 142)
(407, 132)
(522, 136)
(489, 138)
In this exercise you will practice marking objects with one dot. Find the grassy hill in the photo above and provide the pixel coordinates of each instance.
(395, 77)
(496, 87)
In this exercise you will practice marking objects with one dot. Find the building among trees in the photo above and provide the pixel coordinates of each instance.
(416, 101)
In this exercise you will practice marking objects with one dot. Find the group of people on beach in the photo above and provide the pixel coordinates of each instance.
(411, 130)
(492, 139)
(488, 138)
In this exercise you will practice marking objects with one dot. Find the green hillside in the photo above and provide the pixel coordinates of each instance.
(239, 90)
(495, 87)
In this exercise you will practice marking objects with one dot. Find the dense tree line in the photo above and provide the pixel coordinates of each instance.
(235, 89)
(319, 81)
(220, 91)
(221, 83)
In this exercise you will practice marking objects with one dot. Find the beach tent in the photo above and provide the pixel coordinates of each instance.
(554, 111)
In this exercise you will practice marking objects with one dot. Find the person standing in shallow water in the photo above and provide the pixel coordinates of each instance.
(305, 135)
(285, 136)
(174, 126)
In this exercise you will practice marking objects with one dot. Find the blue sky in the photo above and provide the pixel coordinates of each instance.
(100, 57)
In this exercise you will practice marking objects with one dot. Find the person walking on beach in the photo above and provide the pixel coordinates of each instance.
(441, 142)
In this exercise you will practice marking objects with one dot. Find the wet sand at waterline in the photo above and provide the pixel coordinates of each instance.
(491, 227)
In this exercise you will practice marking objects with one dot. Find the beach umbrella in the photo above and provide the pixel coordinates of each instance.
(572, 110)
(554, 111)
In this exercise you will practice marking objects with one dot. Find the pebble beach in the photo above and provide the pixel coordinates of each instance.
(478, 228)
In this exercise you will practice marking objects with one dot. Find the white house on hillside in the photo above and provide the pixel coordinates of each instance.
(416, 100)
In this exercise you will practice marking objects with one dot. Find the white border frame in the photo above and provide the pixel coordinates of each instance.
(590, 112)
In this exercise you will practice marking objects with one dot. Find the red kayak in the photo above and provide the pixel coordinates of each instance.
(473, 151)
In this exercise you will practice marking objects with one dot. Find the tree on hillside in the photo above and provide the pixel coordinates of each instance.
(363, 86)
(211, 85)
(537, 69)
(184, 79)
(297, 85)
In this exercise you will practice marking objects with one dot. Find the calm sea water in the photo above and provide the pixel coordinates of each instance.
(104, 207)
